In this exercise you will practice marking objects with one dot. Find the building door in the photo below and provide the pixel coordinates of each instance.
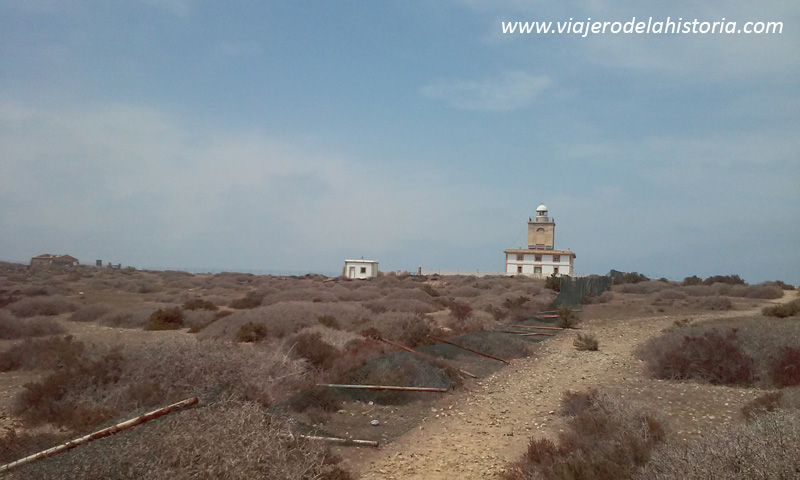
(352, 273)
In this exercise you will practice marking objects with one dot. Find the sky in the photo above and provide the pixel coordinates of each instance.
(286, 135)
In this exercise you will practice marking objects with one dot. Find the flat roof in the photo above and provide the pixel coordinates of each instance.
(361, 261)
(540, 251)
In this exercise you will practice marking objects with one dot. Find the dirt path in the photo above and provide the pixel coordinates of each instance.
(476, 432)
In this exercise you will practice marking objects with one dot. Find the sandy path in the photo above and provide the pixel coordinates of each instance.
(474, 433)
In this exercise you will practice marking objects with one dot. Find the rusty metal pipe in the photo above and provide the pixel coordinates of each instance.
(537, 327)
(469, 349)
(429, 357)
(384, 387)
(106, 432)
(528, 334)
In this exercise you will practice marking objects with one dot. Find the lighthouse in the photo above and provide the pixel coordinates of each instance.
(541, 258)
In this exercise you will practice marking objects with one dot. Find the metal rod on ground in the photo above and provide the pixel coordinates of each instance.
(384, 387)
(343, 441)
(469, 349)
(429, 357)
(528, 334)
(537, 327)
(106, 432)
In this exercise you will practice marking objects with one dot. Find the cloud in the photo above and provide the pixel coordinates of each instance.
(138, 186)
(509, 91)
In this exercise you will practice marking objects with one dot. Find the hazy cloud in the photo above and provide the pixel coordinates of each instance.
(509, 91)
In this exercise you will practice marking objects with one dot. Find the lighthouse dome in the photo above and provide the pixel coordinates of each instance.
(541, 208)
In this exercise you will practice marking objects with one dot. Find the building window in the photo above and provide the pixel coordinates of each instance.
(538, 258)
(519, 268)
(555, 270)
(363, 270)
(537, 269)
(520, 257)
(556, 258)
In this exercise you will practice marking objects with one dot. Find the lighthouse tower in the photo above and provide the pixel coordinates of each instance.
(541, 230)
(540, 259)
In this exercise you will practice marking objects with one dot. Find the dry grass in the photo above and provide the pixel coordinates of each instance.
(585, 341)
(229, 439)
(739, 352)
(766, 447)
(41, 306)
(603, 438)
(12, 328)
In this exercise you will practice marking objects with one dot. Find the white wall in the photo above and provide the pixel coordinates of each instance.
(370, 269)
(528, 264)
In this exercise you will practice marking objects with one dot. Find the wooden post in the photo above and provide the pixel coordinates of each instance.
(384, 387)
(468, 349)
(106, 432)
(342, 441)
(429, 357)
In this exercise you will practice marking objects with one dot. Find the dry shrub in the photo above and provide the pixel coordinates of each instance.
(642, 288)
(761, 291)
(671, 294)
(604, 297)
(766, 447)
(253, 299)
(41, 354)
(399, 305)
(410, 329)
(12, 327)
(713, 303)
(329, 321)
(90, 313)
(15, 445)
(228, 439)
(477, 322)
(428, 288)
(199, 304)
(727, 279)
(782, 310)
(786, 368)
(401, 369)
(603, 438)
(630, 277)
(198, 319)
(251, 332)
(769, 402)
(165, 319)
(459, 310)
(567, 317)
(585, 341)
(309, 345)
(41, 306)
(312, 294)
(133, 317)
(714, 355)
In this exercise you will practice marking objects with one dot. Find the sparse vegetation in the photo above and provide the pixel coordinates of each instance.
(604, 437)
(12, 327)
(251, 332)
(567, 317)
(713, 355)
(782, 310)
(165, 319)
(586, 341)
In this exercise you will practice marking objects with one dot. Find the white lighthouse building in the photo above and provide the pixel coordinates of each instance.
(540, 259)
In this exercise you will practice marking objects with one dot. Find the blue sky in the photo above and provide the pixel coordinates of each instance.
(291, 135)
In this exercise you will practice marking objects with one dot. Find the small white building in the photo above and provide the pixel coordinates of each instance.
(360, 268)
(540, 259)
